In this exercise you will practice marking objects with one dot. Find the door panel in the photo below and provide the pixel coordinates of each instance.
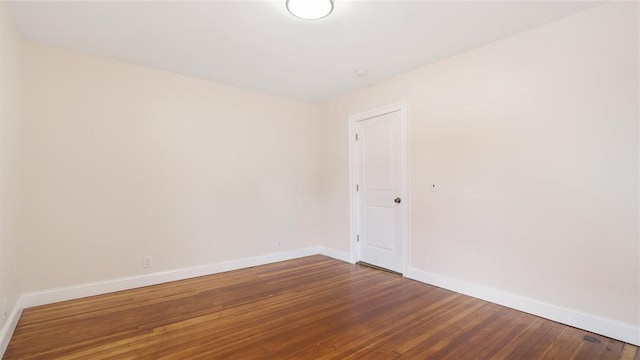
(379, 227)
(379, 163)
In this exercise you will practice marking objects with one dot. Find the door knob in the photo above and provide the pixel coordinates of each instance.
(397, 200)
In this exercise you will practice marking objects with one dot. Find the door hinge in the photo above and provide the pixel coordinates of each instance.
(358, 238)
(357, 187)
(356, 136)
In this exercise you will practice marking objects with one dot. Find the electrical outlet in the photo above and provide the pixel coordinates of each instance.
(279, 244)
(146, 262)
(4, 307)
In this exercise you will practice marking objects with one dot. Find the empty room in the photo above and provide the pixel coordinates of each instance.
(320, 179)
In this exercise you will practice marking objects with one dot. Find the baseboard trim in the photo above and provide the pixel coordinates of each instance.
(336, 254)
(10, 326)
(104, 287)
(599, 325)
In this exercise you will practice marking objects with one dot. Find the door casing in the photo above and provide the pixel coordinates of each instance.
(353, 178)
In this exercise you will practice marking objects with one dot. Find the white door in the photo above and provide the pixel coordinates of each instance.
(379, 174)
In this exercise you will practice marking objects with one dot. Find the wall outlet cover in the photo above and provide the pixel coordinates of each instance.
(146, 261)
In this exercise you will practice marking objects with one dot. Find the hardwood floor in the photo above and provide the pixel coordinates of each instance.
(308, 308)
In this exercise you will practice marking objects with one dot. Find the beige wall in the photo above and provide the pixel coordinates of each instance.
(122, 161)
(10, 43)
(533, 141)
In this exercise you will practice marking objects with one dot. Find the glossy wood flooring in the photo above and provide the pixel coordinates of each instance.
(309, 308)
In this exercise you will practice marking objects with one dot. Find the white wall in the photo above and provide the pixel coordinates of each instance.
(122, 161)
(533, 141)
(10, 45)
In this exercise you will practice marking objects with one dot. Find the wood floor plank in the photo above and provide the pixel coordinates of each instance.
(637, 351)
(612, 350)
(629, 352)
(309, 308)
(357, 337)
(490, 331)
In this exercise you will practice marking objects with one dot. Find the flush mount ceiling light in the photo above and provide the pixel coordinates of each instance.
(310, 9)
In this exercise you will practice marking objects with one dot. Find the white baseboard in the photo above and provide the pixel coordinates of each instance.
(336, 254)
(10, 326)
(103, 287)
(607, 327)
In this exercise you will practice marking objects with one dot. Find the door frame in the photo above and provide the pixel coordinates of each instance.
(354, 167)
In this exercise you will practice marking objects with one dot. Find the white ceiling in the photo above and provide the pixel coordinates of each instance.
(258, 45)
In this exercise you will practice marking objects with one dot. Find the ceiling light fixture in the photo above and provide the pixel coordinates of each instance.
(310, 9)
